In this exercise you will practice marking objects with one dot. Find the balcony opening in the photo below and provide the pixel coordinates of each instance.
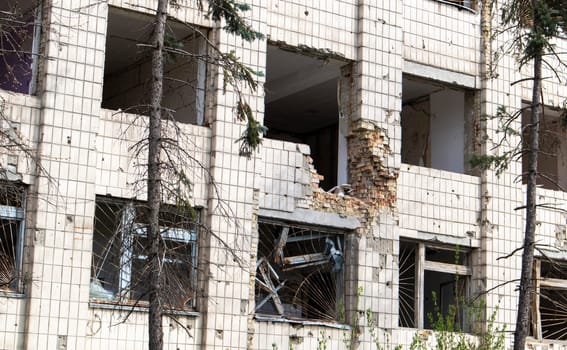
(20, 23)
(552, 156)
(127, 67)
(303, 94)
(436, 124)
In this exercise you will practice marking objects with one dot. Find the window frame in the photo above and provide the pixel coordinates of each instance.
(422, 265)
(462, 4)
(129, 230)
(18, 215)
(36, 11)
(545, 283)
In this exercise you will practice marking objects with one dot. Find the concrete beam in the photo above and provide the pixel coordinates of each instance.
(312, 217)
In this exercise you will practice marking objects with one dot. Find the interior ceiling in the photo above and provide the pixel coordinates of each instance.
(301, 91)
(413, 89)
(125, 31)
(306, 110)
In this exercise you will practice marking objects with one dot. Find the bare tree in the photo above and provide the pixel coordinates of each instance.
(526, 279)
(538, 22)
(155, 329)
(533, 24)
(229, 11)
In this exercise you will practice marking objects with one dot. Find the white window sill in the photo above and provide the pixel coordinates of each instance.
(94, 304)
(266, 318)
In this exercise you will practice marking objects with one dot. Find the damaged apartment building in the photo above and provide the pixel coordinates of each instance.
(358, 217)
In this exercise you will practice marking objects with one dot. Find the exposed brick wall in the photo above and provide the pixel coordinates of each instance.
(371, 179)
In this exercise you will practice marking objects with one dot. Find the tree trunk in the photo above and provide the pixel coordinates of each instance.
(155, 246)
(526, 280)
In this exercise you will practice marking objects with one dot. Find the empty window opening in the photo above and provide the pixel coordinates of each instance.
(299, 272)
(552, 155)
(436, 124)
(432, 279)
(12, 205)
(120, 253)
(20, 23)
(549, 315)
(127, 67)
(302, 94)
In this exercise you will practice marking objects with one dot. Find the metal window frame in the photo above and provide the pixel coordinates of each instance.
(18, 214)
(130, 228)
(468, 5)
(539, 283)
(36, 41)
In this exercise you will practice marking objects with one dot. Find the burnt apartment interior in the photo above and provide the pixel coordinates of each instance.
(436, 120)
(299, 272)
(20, 21)
(552, 156)
(301, 94)
(128, 62)
(432, 279)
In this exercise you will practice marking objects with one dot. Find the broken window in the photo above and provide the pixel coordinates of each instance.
(303, 92)
(299, 272)
(119, 268)
(432, 279)
(436, 124)
(12, 205)
(20, 30)
(549, 312)
(552, 156)
(127, 67)
(469, 4)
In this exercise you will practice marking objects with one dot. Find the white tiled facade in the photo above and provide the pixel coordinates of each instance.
(385, 47)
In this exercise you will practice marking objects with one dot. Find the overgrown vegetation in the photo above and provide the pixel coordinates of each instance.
(373, 331)
(447, 333)
(351, 335)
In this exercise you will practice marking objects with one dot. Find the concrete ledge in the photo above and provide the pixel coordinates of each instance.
(132, 308)
(440, 74)
(312, 217)
(278, 319)
(462, 241)
(12, 294)
(551, 253)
